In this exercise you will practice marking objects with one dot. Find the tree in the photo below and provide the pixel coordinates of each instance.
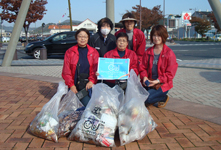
(10, 9)
(201, 25)
(149, 17)
(213, 18)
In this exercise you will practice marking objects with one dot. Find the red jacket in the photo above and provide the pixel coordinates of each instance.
(167, 66)
(128, 54)
(70, 63)
(139, 42)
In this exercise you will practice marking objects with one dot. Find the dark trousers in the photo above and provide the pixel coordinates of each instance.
(155, 95)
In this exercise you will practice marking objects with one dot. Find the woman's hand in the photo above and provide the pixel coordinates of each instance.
(144, 80)
(89, 85)
(152, 83)
(74, 89)
(97, 74)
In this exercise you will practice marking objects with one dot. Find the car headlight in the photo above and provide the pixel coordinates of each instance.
(29, 45)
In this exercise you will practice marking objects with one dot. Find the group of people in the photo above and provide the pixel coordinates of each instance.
(156, 66)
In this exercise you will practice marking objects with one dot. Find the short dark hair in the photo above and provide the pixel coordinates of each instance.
(128, 15)
(82, 29)
(161, 31)
(104, 20)
(122, 34)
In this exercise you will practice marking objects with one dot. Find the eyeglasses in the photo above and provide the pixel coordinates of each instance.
(124, 41)
(82, 37)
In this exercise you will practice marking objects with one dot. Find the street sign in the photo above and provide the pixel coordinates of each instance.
(186, 16)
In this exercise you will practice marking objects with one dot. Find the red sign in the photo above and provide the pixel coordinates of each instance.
(186, 16)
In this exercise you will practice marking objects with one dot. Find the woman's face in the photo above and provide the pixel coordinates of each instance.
(129, 24)
(82, 39)
(157, 39)
(105, 26)
(122, 43)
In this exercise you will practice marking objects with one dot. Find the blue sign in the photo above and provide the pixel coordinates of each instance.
(113, 68)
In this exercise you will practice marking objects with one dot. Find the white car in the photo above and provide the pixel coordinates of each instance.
(218, 37)
(5, 39)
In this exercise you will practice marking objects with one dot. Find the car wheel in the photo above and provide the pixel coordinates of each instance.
(36, 53)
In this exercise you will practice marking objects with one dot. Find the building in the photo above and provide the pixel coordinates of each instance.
(88, 24)
(202, 14)
(5, 33)
(179, 26)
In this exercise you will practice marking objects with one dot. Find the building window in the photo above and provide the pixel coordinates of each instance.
(89, 24)
(171, 23)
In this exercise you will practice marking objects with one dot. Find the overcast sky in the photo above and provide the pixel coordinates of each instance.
(96, 9)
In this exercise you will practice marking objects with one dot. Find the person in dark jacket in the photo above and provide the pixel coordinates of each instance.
(80, 64)
(137, 41)
(103, 41)
(158, 67)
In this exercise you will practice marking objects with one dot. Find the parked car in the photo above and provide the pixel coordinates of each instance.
(56, 44)
(5, 39)
(22, 39)
(218, 37)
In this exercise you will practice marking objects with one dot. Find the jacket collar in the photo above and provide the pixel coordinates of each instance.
(115, 53)
(165, 49)
(75, 49)
(134, 30)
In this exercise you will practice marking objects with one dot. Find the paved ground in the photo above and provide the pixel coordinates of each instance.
(191, 120)
(21, 99)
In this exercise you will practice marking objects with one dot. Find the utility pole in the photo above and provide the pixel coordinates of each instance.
(69, 4)
(216, 7)
(164, 13)
(140, 15)
(15, 33)
(110, 12)
(1, 32)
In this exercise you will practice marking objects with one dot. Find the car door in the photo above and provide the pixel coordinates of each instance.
(70, 41)
(58, 43)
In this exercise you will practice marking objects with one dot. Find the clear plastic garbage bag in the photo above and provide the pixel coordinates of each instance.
(134, 120)
(45, 124)
(70, 111)
(99, 120)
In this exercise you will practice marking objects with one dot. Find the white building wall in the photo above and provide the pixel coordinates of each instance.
(89, 25)
(53, 31)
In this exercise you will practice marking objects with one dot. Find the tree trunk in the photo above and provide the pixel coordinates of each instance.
(26, 27)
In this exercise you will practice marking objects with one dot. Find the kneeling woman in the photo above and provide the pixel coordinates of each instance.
(121, 51)
(158, 67)
(80, 64)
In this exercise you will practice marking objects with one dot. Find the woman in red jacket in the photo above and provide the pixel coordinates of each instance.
(121, 51)
(80, 64)
(158, 66)
(136, 37)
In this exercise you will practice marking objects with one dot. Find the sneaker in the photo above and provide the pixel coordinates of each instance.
(163, 103)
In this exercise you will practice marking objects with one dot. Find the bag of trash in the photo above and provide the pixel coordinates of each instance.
(70, 111)
(99, 120)
(134, 120)
(45, 124)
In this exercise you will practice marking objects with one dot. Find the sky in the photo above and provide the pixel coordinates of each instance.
(96, 9)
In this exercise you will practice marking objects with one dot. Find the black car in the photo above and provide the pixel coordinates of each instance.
(56, 44)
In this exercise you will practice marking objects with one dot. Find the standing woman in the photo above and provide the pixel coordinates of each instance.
(137, 40)
(158, 67)
(80, 64)
(103, 41)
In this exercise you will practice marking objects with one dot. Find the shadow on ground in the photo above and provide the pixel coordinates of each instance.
(213, 76)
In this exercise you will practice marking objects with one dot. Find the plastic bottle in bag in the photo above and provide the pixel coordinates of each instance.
(99, 120)
(45, 124)
(134, 120)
